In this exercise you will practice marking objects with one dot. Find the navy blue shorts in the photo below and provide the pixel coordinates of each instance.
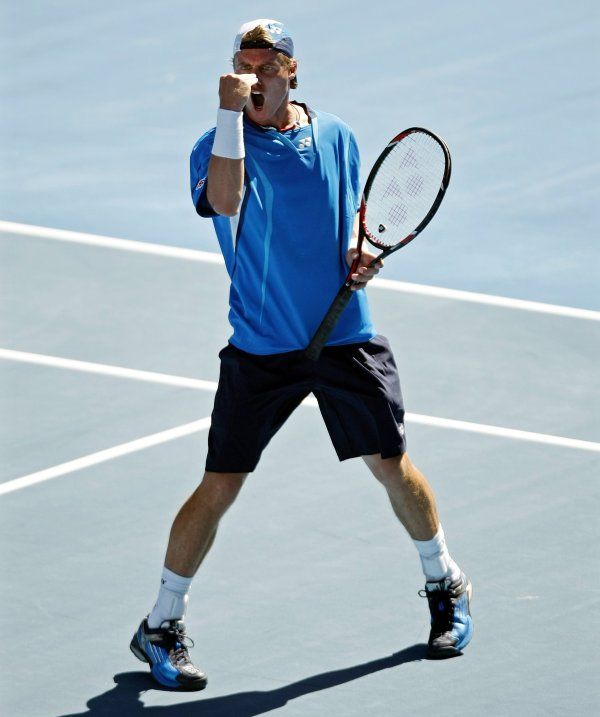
(356, 385)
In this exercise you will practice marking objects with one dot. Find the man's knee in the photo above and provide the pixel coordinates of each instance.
(390, 470)
(221, 489)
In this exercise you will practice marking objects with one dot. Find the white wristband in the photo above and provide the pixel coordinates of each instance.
(229, 137)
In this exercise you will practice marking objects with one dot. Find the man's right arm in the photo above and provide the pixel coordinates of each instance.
(225, 180)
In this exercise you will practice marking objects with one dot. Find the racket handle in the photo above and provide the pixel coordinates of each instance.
(313, 351)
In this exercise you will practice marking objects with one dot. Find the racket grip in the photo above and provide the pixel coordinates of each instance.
(313, 350)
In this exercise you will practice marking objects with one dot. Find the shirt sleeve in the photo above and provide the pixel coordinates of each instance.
(199, 160)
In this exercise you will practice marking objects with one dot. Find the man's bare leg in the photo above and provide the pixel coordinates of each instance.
(192, 535)
(409, 492)
(195, 526)
(413, 502)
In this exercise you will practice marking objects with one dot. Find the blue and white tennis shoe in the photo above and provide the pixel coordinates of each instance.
(451, 622)
(166, 650)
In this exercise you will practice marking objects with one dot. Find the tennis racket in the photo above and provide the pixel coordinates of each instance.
(403, 192)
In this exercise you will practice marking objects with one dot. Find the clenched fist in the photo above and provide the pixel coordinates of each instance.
(234, 91)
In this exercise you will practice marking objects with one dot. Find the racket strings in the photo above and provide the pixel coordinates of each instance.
(404, 189)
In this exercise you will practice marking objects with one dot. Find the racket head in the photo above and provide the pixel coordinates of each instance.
(405, 188)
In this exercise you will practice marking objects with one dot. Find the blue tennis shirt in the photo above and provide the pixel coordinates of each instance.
(285, 249)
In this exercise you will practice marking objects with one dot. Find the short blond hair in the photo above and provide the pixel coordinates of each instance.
(261, 34)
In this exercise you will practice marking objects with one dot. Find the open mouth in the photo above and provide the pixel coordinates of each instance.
(258, 100)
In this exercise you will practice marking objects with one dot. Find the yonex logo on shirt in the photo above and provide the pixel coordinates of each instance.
(304, 143)
(200, 183)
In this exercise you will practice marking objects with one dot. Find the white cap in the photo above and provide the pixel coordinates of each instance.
(281, 39)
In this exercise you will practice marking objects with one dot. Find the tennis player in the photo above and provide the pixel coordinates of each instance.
(281, 184)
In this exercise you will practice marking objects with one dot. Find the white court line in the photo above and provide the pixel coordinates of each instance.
(139, 247)
(512, 433)
(124, 449)
(488, 299)
(213, 258)
(170, 380)
(107, 370)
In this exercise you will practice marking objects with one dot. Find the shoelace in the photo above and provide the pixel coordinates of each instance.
(179, 655)
(441, 606)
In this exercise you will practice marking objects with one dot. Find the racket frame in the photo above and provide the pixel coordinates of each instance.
(436, 203)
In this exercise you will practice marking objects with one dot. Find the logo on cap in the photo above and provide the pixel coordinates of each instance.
(282, 40)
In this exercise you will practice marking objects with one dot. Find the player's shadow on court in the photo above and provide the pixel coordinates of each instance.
(124, 700)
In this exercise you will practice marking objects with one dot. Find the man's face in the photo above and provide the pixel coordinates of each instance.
(270, 93)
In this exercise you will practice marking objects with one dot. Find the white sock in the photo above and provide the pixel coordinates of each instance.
(435, 558)
(172, 599)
